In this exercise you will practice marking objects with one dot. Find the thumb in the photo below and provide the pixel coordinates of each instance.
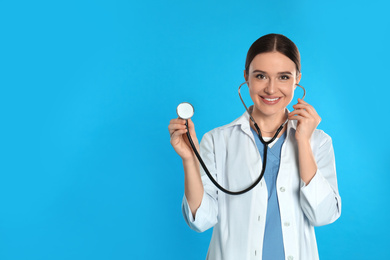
(191, 125)
(191, 128)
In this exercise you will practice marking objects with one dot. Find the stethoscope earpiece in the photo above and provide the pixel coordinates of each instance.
(304, 91)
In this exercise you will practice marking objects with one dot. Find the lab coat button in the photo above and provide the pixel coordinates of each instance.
(282, 189)
(290, 257)
(258, 218)
(287, 224)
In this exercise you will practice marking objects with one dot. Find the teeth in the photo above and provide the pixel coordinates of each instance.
(271, 99)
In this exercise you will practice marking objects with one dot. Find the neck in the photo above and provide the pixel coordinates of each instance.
(269, 124)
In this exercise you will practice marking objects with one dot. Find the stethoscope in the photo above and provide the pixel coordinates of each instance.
(185, 111)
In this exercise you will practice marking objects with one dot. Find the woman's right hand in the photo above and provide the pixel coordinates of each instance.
(193, 186)
(179, 140)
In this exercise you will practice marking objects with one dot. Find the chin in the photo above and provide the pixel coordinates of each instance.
(270, 111)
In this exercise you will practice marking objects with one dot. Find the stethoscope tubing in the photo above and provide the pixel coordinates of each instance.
(261, 139)
(211, 177)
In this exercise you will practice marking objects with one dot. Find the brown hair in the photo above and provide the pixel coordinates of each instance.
(274, 43)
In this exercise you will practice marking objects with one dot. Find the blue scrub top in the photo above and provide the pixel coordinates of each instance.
(273, 248)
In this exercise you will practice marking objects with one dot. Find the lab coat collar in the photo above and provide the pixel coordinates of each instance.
(244, 122)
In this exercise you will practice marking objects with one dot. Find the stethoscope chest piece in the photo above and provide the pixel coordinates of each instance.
(185, 110)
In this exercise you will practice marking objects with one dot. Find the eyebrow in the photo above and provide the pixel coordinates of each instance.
(283, 72)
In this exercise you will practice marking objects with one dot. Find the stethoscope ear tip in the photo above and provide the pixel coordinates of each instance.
(304, 91)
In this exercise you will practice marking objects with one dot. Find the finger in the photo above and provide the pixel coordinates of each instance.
(300, 100)
(300, 112)
(300, 106)
(191, 126)
(300, 103)
(296, 117)
(178, 121)
(178, 133)
(190, 123)
(307, 107)
(173, 127)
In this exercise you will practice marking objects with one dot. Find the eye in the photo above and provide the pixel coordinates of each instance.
(284, 77)
(260, 76)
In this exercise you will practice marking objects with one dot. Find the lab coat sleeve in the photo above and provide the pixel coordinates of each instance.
(207, 213)
(320, 199)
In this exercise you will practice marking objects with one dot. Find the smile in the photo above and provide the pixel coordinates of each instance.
(269, 100)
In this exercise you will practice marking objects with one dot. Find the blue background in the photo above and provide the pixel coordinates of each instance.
(88, 89)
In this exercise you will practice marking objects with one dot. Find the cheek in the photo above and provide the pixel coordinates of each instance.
(256, 88)
(252, 91)
(289, 94)
(289, 99)
(254, 94)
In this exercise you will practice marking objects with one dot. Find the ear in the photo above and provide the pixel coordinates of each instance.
(245, 76)
(298, 78)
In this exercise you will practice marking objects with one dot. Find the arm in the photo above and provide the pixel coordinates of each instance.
(193, 186)
(200, 207)
(308, 121)
(307, 163)
(206, 213)
(319, 198)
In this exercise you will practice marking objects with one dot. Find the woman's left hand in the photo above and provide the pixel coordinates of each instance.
(308, 120)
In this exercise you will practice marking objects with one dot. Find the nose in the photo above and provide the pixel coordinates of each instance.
(271, 87)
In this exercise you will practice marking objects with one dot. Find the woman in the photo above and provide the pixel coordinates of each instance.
(276, 219)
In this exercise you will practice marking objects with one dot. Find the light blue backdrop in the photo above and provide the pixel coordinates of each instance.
(88, 89)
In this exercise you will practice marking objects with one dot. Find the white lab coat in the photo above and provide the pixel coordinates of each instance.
(232, 157)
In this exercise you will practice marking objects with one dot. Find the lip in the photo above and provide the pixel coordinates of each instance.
(268, 102)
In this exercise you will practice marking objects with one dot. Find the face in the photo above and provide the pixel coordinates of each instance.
(272, 79)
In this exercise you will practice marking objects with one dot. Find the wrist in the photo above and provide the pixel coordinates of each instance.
(303, 142)
(190, 160)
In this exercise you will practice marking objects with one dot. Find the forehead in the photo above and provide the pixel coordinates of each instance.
(272, 62)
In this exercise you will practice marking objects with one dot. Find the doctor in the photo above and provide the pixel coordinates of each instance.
(276, 219)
